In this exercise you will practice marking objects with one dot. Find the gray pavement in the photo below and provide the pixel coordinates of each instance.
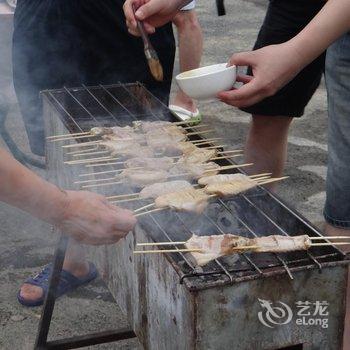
(26, 244)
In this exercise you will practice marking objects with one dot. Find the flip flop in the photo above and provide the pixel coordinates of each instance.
(184, 114)
(67, 283)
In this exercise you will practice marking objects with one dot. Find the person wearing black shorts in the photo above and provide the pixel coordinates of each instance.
(266, 144)
(68, 43)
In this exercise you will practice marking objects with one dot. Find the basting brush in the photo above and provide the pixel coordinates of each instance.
(150, 53)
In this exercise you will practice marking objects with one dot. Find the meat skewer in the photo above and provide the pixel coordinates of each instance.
(101, 131)
(216, 246)
(197, 170)
(171, 133)
(157, 189)
(233, 184)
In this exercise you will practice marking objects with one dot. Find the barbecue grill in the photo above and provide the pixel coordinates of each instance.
(170, 302)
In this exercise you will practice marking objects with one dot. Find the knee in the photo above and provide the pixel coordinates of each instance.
(187, 21)
(273, 125)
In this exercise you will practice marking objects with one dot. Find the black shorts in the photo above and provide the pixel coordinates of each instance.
(285, 19)
(60, 43)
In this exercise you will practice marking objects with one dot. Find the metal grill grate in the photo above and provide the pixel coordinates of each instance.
(255, 213)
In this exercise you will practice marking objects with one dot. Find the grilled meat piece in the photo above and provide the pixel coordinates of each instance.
(143, 177)
(216, 246)
(209, 180)
(189, 200)
(163, 163)
(198, 155)
(230, 188)
(194, 170)
(158, 189)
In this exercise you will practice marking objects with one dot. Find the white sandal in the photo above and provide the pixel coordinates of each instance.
(185, 114)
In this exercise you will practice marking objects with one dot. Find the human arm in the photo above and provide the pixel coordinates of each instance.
(153, 13)
(85, 216)
(274, 66)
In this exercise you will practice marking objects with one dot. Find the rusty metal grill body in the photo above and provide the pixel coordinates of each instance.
(169, 300)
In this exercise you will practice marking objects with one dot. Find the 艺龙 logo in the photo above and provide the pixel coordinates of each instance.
(273, 315)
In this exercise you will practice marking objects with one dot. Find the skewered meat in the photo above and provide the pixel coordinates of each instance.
(189, 200)
(216, 246)
(142, 178)
(171, 148)
(230, 188)
(199, 155)
(98, 131)
(157, 125)
(117, 147)
(163, 144)
(127, 149)
(209, 180)
(186, 147)
(117, 131)
(194, 170)
(158, 189)
(163, 163)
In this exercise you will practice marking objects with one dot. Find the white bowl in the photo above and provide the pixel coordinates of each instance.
(206, 82)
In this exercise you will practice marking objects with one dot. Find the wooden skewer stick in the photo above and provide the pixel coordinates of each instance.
(91, 160)
(144, 207)
(129, 200)
(150, 211)
(258, 175)
(227, 167)
(94, 180)
(123, 195)
(329, 237)
(103, 184)
(159, 243)
(203, 142)
(195, 127)
(90, 154)
(329, 244)
(82, 144)
(73, 138)
(252, 247)
(80, 151)
(200, 132)
(168, 251)
(68, 135)
(273, 180)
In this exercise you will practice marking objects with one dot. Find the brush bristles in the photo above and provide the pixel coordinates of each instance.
(156, 69)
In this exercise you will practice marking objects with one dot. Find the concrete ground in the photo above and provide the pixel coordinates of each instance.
(26, 244)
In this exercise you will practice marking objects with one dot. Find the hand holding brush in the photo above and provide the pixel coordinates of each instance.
(150, 53)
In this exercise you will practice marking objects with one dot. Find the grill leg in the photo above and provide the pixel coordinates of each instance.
(41, 342)
(49, 303)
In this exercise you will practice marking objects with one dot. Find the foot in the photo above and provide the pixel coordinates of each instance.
(185, 102)
(33, 293)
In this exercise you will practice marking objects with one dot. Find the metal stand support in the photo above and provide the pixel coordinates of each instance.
(47, 311)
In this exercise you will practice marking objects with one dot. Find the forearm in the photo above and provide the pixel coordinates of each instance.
(21, 188)
(330, 23)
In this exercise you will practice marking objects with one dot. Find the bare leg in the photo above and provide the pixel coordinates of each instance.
(190, 50)
(333, 231)
(75, 263)
(266, 144)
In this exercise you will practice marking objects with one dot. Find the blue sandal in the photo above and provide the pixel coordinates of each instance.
(67, 283)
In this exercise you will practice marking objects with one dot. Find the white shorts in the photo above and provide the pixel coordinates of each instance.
(189, 6)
